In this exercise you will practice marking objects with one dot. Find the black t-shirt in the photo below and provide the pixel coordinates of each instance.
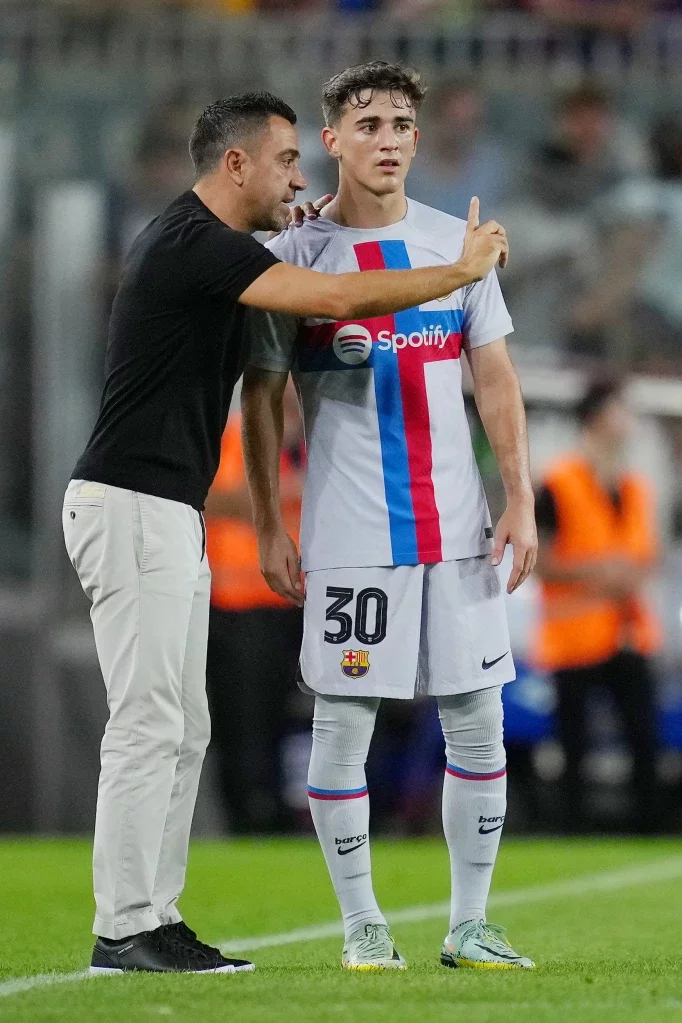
(176, 349)
(547, 517)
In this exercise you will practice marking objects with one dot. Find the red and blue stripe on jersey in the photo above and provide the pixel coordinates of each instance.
(401, 402)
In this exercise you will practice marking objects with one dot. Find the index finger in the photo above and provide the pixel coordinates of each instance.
(472, 218)
(323, 201)
(280, 582)
(296, 578)
(517, 570)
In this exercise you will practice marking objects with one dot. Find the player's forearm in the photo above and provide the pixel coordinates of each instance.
(302, 292)
(500, 406)
(377, 292)
(262, 426)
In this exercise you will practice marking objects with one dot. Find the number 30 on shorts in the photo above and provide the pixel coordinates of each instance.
(341, 596)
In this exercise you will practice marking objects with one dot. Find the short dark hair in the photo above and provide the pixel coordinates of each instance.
(598, 393)
(231, 121)
(378, 76)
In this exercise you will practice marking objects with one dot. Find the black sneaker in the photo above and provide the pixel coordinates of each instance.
(160, 951)
(188, 937)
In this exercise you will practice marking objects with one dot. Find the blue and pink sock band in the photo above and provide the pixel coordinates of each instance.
(459, 772)
(314, 793)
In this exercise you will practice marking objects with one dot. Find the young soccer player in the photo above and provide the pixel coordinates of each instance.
(132, 514)
(401, 594)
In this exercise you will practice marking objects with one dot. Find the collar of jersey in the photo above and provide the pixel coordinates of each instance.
(375, 232)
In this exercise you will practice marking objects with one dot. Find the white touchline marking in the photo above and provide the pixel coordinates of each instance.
(662, 870)
(15, 987)
(611, 880)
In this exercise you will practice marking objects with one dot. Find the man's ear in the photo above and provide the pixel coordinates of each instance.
(234, 162)
(330, 142)
(416, 141)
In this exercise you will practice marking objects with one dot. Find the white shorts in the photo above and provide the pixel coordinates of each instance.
(405, 631)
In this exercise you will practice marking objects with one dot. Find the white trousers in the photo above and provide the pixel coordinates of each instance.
(141, 561)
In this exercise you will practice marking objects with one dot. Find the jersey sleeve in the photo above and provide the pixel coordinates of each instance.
(224, 262)
(272, 340)
(485, 313)
(272, 336)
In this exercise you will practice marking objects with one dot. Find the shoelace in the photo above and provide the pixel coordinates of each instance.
(494, 934)
(170, 939)
(367, 945)
(189, 936)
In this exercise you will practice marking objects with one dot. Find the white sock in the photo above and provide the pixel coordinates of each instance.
(474, 796)
(339, 802)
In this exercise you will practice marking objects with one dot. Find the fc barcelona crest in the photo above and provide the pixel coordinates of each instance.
(355, 663)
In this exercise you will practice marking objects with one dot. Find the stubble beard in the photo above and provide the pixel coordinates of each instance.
(275, 219)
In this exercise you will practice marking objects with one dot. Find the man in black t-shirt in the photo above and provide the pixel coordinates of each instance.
(132, 512)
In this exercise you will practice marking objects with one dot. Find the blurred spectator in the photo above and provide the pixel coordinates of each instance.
(598, 546)
(232, 6)
(254, 638)
(555, 227)
(592, 149)
(459, 156)
(637, 301)
(419, 10)
(358, 6)
(608, 16)
(161, 169)
(594, 19)
(344, 6)
(288, 6)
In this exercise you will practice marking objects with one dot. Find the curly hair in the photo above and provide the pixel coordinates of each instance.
(377, 76)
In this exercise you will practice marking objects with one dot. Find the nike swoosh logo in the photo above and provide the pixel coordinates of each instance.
(344, 852)
(489, 831)
(488, 664)
(494, 952)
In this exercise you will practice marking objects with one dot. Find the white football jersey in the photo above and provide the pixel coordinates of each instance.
(391, 476)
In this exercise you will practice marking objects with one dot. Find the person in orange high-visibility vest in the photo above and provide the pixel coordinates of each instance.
(254, 638)
(598, 546)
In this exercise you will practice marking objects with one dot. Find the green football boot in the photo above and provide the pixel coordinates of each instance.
(371, 948)
(481, 946)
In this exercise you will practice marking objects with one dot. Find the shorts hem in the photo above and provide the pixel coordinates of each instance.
(475, 686)
(389, 693)
(385, 693)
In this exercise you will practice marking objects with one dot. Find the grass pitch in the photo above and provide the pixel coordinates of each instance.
(607, 945)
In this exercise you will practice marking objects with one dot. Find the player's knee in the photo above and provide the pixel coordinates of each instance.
(342, 730)
(482, 758)
(473, 730)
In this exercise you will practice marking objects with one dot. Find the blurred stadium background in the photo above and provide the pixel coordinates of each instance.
(564, 116)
